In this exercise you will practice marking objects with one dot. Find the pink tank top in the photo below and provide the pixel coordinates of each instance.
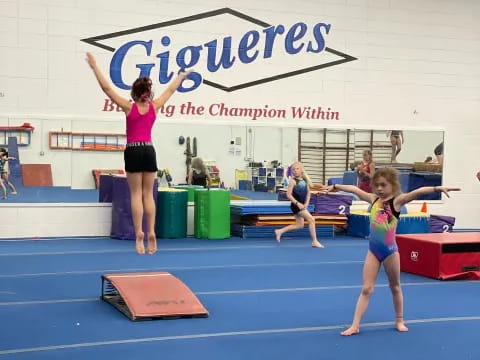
(139, 126)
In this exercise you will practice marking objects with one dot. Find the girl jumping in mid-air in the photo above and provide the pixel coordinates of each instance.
(140, 158)
(298, 192)
(384, 214)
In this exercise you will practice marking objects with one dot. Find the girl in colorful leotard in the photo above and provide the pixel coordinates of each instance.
(383, 225)
(386, 204)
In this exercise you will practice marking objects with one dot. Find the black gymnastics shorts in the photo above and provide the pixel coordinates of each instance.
(295, 209)
(140, 158)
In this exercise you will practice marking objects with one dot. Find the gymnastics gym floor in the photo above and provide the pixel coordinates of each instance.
(267, 300)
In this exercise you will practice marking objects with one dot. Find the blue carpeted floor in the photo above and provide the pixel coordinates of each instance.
(51, 194)
(266, 301)
(64, 194)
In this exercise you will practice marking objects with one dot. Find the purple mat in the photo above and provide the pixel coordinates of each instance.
(122, 223)
(332, 203)
(105, 188)
(441, 223)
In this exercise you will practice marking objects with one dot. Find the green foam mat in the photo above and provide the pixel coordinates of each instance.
(191, 190)
(171, 214)
(212, 214)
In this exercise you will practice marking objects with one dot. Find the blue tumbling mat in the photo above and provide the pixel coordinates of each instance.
(250, 232)
(251, 207)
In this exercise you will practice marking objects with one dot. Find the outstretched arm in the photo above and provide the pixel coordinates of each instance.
(362, 195)
(106, 86)
(159, 101)
(403, 199)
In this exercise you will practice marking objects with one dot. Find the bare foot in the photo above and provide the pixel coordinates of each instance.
(352, 330)
(401, 326)
(14, 193)
(152, 243)
(278, 235)
(316, 244)
(139, 244)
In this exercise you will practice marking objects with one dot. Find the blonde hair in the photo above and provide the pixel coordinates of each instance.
(198, 165)
(367, 152)
(304, 173)
(390, 175)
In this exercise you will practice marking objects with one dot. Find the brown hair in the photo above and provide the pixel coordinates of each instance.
(391, 175)
(142, 89)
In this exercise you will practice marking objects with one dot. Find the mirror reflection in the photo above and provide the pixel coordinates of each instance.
(51, 160)
(326, 153)
(417, 155)
(30, 164)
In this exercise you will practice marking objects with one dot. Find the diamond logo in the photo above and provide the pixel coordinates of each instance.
(264, 53)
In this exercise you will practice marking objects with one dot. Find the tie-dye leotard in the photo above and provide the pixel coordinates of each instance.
(383, 226)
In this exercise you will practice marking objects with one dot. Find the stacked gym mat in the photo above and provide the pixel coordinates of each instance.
(191, 190)
(259, 219)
